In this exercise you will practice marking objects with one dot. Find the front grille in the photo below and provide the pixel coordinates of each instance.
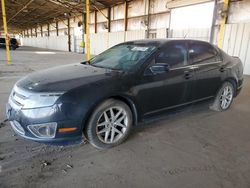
(17, 97)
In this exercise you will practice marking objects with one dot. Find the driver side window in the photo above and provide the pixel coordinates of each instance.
(175, 55)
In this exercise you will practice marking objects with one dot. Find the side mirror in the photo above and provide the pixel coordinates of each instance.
(85, 62)
(159, 68)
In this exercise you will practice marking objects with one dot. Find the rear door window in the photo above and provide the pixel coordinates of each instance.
(202, 52)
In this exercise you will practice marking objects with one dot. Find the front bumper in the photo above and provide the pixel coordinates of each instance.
(20, 119)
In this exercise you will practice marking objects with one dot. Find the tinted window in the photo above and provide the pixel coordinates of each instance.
(2, 40)
(200, 52)
(123, 57)
(13, 41)
(173, 54)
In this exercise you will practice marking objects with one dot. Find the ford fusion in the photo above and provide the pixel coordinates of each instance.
(102, 99)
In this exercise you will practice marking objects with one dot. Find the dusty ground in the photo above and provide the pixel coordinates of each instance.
(193, 148)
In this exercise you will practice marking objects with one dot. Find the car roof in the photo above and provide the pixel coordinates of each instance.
(160, 42)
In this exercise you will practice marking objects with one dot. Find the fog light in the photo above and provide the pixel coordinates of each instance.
(46, 130)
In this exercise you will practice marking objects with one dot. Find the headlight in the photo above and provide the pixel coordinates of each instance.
(41, 100)
(47, 130)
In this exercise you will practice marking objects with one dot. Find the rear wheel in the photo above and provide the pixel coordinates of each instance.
(109, 124)
(12, 48)
(224, 97)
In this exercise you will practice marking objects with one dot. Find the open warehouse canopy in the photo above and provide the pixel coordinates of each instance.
(163, 102)
(61, 24)
(23, 14)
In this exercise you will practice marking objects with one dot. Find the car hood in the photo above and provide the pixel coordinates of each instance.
(65, 78)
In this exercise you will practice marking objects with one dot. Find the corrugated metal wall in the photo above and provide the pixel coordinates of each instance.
(52, 42)
(196, 33)
(102, 41)
(237, 43)
(236, 40)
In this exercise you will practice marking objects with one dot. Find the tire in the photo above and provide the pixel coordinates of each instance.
(222, 95)
(103, 131)
(12, 48)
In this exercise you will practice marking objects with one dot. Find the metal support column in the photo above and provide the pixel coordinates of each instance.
(87, 30)
(48, 29)
(83, 32)
(69, 35)
(95, 21)
(223, 23)
(109, 19)
(126, 16)
(57, 32)
(148, 19)
(125, 20)
(211, 40)
(6, 32)
(36, 31)
(41, 28)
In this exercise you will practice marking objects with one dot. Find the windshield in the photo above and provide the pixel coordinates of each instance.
(122, 57)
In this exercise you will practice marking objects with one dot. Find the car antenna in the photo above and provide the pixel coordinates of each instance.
(185, 35)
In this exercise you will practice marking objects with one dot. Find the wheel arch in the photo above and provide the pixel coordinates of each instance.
(124, 99)
(233, 81)
(130, 104)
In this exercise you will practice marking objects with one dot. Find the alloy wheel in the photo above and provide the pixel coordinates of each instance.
(226, 97)
(112, 125)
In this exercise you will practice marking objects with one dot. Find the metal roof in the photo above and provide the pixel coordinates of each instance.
(23, 14)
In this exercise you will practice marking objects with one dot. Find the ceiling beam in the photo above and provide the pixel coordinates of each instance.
(105, 5)
(29, 13)
(65, 5)
(24, 7)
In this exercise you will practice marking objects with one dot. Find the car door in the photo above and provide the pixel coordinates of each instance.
(168, 89)
(207, 64)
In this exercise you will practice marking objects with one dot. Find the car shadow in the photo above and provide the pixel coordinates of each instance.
(171, 117)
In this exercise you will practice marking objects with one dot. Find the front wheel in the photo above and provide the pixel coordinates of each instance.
(12, 48)
(224, 97)
(109, 124)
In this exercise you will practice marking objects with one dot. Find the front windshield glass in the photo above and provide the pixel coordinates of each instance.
(122, 57)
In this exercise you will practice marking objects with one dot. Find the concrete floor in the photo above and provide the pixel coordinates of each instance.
(193, 148)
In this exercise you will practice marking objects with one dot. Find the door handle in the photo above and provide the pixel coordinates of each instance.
(222, 69)
(187, 75)
(195, 67)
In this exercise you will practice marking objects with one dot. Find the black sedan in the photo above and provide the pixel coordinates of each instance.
(13, 43)
(102, 99)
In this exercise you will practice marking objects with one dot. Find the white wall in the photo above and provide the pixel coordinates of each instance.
(99, 42)
(159, 21)
(137, 14)
(52, 42)
(195, 16)
(237, 33)
(193, 21)
(236, 42)
(192, 33)
(117, 25)
(239, 12)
